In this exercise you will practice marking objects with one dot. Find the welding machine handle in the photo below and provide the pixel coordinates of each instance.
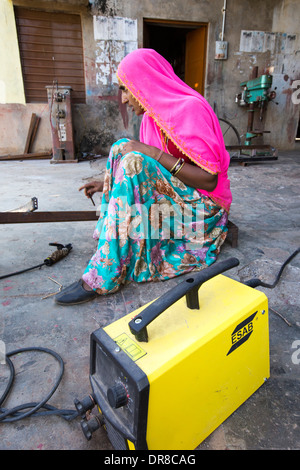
(189, 288)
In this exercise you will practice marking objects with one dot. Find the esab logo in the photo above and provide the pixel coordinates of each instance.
(241, 333)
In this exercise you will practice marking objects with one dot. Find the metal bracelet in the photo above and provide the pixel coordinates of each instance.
(177, 166)
(177, 171)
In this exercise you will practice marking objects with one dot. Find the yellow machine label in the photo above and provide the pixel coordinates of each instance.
(130, 347)
(241, 333)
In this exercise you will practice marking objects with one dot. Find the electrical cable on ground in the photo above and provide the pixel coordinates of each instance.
(22, 271)
(58, 254)
(17, 413)
(257, 282)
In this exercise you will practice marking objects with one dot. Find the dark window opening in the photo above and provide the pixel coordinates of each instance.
(183, 45)
(298, 131)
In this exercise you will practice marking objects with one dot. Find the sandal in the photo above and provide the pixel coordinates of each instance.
(75, 294)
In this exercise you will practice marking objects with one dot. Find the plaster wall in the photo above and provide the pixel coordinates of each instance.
(102, 119)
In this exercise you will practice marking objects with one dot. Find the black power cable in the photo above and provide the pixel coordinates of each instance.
(257, 282)
(17, 413)
(58, 254)
(22, 271)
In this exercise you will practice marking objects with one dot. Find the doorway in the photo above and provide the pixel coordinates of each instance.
(183, 44)
(298, 132)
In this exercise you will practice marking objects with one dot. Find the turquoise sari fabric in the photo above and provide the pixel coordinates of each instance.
(152, 227)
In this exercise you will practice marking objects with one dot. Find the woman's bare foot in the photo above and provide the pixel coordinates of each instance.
(86, 286)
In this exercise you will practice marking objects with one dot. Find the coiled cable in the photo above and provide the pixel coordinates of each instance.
(17, 413)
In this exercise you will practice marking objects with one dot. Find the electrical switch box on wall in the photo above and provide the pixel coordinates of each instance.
(60, 106)
(221, 50)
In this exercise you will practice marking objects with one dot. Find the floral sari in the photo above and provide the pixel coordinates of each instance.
(152, 226)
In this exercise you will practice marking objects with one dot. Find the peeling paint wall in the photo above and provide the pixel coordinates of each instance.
(104, 119)
(258, 34)
(115, 38)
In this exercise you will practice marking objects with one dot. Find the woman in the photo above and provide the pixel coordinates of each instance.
(166, 198)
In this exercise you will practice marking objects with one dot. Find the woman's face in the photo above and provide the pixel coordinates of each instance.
(128, 99)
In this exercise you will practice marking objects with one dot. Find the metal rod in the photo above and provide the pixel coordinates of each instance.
(46, 217)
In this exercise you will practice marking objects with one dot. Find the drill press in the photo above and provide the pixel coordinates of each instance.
(255, 95)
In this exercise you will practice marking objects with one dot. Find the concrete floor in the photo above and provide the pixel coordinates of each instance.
(265, 208)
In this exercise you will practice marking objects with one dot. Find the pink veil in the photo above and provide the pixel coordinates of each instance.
(183, 115)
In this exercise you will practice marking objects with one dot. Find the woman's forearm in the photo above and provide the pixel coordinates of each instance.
(190, 174)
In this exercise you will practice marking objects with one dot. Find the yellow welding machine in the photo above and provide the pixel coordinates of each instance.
(168, 374)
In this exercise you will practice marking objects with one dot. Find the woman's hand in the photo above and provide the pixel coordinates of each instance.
(91, 188)
(136, 146)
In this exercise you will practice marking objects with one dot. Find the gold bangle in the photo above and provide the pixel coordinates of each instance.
(177, 171)
(177, 167)
(173, 167)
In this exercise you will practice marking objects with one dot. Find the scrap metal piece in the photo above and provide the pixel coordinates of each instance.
(30, 206)
(252, 153)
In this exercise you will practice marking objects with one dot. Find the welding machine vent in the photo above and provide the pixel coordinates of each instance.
(117, 440)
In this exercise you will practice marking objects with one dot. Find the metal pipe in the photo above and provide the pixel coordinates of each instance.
(223, 25)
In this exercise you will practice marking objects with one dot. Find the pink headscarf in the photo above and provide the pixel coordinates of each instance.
(183, 115)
